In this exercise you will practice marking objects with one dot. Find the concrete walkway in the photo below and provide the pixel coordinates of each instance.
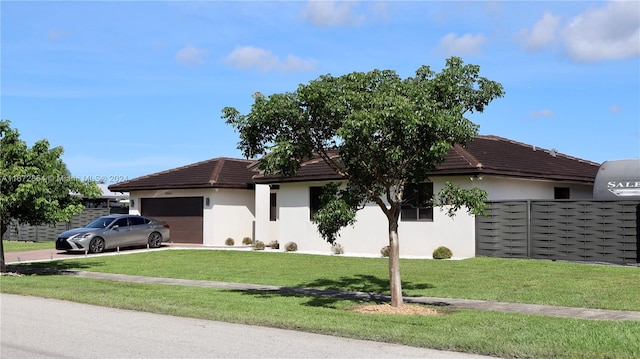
(535, 309)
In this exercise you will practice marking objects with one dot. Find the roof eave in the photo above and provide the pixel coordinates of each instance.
(182, 186)
(267, 180)
(511, 174)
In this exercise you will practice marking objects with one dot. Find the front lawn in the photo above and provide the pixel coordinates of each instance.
(21, 246)
(500, 334)
(506, 280)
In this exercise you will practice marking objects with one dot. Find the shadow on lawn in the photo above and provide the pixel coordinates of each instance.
(362, 283)
(51, 268)
(327, 292)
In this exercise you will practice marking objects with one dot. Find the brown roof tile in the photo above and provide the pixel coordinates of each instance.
(500, 156)
(213, 173)
(490, 155)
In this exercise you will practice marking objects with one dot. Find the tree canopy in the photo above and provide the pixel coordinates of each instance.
(35, 185)
(387, 131)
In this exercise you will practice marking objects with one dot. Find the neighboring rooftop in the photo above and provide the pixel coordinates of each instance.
(214, 173)
(106, 193)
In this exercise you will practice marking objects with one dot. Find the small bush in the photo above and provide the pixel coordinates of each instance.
(274, 245)
(442, 253)
(291, 247)
(337, 248)
(385, 251)
(229, 241)
(259, 246)
(247, 241)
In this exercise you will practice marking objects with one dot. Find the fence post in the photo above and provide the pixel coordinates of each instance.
(528, 229)
(638, 233)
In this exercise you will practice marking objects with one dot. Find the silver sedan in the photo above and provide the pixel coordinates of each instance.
(117, 230)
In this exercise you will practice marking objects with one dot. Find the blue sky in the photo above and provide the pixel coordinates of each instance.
(130, 88)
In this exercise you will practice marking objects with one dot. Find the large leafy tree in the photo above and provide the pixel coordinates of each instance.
(388, 132)
(35, 185)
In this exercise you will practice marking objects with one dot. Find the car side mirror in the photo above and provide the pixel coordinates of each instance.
(115, 226)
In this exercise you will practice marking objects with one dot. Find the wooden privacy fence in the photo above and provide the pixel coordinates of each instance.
(576, 230)
(24, 232)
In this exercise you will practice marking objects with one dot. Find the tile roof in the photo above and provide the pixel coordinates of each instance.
(488, 155)
(214, 173)
(485, 155)
(500, 156)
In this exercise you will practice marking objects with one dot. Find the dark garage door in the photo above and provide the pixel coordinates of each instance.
(184, 215)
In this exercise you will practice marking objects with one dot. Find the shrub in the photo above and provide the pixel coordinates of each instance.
(229, 241)
(247, 241)
(259, 246)
(291, 247)
(337, 248)
(274, 245)
(442, 253)
(385, 251)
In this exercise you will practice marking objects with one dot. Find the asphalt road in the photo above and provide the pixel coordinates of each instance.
(32, 327)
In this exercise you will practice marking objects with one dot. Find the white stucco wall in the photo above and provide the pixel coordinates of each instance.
(230, 212)
(239, 213)
(501, 188)
(265, 229)
(370, 233)
(233, 216)
(262, 213)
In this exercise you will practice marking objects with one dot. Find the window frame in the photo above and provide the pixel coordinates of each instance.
(315, 192)
(561, 193)
(415, 197)
(273, 206)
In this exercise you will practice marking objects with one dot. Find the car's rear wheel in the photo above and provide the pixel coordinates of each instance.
(96, 245)
(155, 240)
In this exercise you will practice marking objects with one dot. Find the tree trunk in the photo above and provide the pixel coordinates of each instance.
(3, 229)
(394, 263)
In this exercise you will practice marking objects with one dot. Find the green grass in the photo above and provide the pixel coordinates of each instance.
(507, 280)
(21, 246)
(506, 335)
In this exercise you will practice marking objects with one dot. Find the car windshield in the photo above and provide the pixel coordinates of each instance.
(100, 222)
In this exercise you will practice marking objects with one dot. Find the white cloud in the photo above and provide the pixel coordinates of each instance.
(607, 33)
(249, 57)
(292, 64)
(379, 9)
(541, 34)
(190, 55)
(542, 113)
(615, 109)
(57, 34)
(493, 7)
(332, 13)
(467, 44)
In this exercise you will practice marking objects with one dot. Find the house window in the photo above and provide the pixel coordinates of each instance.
(561, 193)
(416, 205)
(273, 207)
(314, 200)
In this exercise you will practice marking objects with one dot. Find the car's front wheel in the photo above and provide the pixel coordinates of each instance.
(96, 245)
(155, 240)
